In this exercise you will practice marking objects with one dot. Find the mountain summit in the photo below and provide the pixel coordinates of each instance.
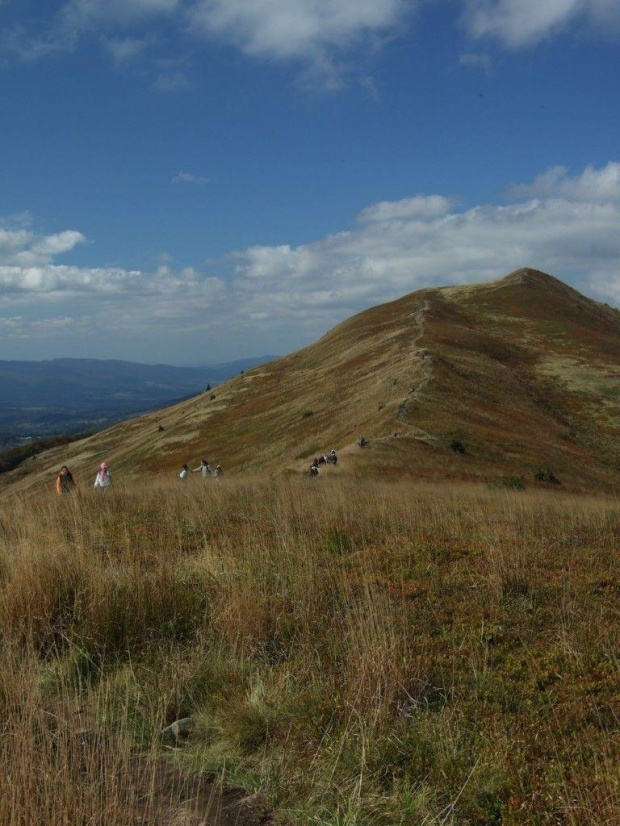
(514, 377)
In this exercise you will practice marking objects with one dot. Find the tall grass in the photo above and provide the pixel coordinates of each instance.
(359, 654)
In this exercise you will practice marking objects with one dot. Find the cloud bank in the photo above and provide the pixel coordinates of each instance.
(518, 23)
(561, 223)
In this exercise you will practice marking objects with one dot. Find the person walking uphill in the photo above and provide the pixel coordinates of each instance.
(103, 479)
(65, 482)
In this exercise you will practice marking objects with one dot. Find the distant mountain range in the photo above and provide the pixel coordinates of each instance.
(38, 398)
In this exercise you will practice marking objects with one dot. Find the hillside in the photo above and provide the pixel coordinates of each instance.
(522, 372)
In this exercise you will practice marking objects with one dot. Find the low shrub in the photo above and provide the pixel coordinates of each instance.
(547, 476)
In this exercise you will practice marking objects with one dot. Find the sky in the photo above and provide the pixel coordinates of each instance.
(194, 181)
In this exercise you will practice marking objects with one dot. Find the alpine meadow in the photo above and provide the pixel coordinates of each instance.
(427, 632)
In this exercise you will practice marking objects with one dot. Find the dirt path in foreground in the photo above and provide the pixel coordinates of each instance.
(173, 797)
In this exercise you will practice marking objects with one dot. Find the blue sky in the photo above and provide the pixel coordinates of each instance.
(200, 180)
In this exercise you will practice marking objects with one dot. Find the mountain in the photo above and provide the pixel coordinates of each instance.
(72, 395)
(492, 381)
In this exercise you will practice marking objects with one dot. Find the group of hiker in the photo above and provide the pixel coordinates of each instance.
(332, 459)
(204, 468)
(66, 482)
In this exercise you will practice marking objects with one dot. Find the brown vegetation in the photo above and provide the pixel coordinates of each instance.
(368, 654)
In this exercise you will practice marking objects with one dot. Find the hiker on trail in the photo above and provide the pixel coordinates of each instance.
(65, 483)
(204, 468)
(103, 479)
(333, 457)
(315, 462)
(218, 472)
(184, 473)
(314, 471)
(362, 442)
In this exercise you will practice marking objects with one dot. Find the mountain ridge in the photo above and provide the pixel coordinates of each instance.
(520, 374)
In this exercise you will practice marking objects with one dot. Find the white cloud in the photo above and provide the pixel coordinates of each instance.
(477, 60)
(401, 246)
(124, 50)
(17, 327)
(290, 29)
(81, 15)
(316, 35)
(561, 223)
(518, 23)
(596, 185)
(415, 208)
(189, 178)
(21, 247)
(313, 34)
(77, 18)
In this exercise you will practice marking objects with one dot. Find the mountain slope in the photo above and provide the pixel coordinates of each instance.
(522, 372)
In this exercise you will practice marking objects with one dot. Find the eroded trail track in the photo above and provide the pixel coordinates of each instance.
(169, 796)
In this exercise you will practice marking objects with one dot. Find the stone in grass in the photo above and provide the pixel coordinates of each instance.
(177, 734)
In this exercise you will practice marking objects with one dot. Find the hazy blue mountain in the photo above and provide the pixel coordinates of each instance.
(73, 395)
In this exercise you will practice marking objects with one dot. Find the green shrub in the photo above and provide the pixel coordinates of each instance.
(509, 482)
(547, 476)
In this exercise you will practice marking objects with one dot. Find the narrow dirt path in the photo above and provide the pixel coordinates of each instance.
(425, 361)
(170, 796)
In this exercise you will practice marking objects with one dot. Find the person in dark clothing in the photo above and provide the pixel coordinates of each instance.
(65, 482)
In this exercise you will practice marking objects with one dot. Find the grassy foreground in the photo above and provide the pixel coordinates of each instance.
(359, 654)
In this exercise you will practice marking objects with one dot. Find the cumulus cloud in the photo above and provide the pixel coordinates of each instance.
(565, 224)
(596, 185)
(518, 23)
(316, 35)
(21, 247)
(288, 29)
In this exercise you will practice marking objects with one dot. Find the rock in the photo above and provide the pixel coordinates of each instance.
(178, 732)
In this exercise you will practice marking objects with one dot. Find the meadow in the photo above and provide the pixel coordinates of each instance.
(348, 652)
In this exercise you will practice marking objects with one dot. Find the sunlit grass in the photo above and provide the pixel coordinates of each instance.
(358, 653)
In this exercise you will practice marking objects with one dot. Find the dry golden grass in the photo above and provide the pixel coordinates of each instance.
(360, 654)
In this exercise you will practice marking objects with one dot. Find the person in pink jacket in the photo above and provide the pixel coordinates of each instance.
(103, 479)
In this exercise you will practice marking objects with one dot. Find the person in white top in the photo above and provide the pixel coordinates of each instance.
(103, 479)
(184, 473)
(204, 468)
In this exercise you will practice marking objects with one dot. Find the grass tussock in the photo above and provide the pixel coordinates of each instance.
(360, 654)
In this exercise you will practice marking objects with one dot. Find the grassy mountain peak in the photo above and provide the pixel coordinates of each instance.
(500, 379)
